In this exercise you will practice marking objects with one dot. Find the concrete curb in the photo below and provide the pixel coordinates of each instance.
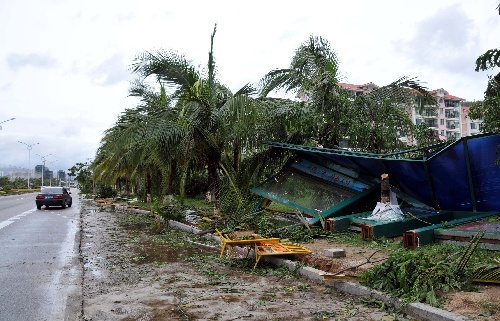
(420, 311)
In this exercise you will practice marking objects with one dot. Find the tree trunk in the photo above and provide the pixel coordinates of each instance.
(148, 187)
(118, 186)
(182, 183)
(385, 189)
(184, 171)
(170, 188)
(213, 185)
(236, 157)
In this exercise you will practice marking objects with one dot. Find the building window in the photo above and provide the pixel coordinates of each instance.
(441, 122)
(441, 111)
(473, 126)
(442, 133)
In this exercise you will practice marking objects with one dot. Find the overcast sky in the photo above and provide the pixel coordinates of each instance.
(64, 65)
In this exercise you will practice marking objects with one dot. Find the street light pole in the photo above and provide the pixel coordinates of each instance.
(43, 167)
(30, 146)
(5, 122)
(52, 177)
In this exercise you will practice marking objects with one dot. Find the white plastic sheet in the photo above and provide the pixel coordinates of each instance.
(386, 212)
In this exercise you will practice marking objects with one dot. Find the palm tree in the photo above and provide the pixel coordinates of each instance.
(218, 126)
(377, 119)
(489, 108)
(129, 150)
(332, 113)
(313, 76)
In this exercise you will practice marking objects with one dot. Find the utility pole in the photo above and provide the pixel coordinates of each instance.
(52, 171)
(30, 146)
(43, 168)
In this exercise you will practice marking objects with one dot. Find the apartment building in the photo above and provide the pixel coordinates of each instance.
(446, 119)
(450, 118)
(473, 126)
(358, 90)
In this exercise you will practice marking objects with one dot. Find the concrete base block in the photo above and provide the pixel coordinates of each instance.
(334, 253)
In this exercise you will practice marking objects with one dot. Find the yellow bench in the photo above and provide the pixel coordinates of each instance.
(266, 249)
(262, 246)
(226, 241)
(104, 202)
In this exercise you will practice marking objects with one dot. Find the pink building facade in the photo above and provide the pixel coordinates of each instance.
(450, 118)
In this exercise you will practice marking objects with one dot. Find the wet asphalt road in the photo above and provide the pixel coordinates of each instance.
(40, 277)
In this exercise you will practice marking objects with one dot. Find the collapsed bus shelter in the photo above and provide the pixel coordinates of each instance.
(456, 183)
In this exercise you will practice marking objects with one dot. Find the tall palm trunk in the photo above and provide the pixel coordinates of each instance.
(148, 187)
(170, 183)
(236, 157)
(213, 179)
(184, 171)
(119, 185)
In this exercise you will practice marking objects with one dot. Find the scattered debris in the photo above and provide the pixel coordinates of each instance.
(192, 217)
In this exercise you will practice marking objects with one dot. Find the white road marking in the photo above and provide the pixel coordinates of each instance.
(14, 218)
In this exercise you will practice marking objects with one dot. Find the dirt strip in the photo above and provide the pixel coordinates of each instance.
(129, 277)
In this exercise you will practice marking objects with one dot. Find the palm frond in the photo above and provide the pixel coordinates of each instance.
(488, 60)
(170, 67)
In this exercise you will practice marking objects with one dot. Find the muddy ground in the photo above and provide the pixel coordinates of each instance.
(127, 276)
(133, 274)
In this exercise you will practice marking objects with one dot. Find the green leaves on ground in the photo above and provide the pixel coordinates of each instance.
(422, 275)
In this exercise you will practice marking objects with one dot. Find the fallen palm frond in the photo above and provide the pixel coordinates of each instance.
(474, 242)
(418, 276)
(488, 273)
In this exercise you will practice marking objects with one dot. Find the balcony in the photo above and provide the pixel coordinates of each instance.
(475, 128)
(431, 124)
(428, 115)
(451, 104)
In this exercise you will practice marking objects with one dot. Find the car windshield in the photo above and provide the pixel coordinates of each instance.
(52, 190)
